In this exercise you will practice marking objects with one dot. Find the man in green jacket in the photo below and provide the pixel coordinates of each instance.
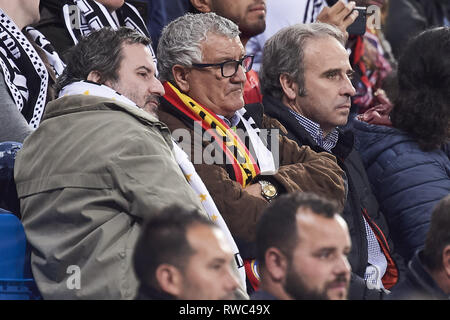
(100, 163)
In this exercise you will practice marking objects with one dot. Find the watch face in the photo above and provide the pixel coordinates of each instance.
(270, 190)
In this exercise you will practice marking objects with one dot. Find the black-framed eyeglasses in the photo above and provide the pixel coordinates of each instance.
(230, 67)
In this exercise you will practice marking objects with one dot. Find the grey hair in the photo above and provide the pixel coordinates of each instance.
(181, 40)
(283, 53)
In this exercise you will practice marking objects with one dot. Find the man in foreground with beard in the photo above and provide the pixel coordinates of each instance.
(302, 248)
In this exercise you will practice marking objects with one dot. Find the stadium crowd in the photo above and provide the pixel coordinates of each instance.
(223, 149)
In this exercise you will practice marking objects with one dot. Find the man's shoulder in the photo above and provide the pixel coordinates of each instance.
(102, 110)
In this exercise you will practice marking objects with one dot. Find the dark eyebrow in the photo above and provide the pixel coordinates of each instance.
(337, 70)
(143, 67)
(329, 71)
(218, 260)
(331, 249)
(324, 249)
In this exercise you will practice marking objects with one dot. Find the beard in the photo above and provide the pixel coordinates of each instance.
(298, 290)
(153, 108)
(149, 103)
(251, 30)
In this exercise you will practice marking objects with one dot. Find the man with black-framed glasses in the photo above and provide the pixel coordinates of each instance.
(229, 67)
(202, 65)
(250, 16)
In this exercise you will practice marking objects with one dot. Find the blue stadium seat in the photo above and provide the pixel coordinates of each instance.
(16, 280)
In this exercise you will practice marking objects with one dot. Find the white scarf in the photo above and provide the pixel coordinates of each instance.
(208, 204)
(263, 155)
(182, 159)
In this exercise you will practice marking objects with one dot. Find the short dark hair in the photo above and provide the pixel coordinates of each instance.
(100, 51)
(163, 240)
(438, 236)
(422, 106)
(277, 226)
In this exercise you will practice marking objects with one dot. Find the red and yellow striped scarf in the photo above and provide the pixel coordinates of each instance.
(244, 166)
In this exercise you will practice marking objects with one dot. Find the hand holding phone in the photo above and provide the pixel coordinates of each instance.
(359, 26)
(340, 14)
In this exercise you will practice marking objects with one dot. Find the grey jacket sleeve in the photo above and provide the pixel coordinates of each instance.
(13, 126)
(148, 176)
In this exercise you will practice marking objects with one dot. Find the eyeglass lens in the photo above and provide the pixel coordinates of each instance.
(231, 67)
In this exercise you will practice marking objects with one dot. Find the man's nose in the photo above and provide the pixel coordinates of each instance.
(342, 265)
(347, 88)
(231, 281)
(156, 87)
(239, 76)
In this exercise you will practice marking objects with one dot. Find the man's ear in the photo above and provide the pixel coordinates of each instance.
(169, 279)
(446, 260)
(203, 6)
(290, 88)
(276, 264)
(181, 75)
(94, 76)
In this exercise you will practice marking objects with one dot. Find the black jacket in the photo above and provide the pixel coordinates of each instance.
(418, 284)
(360, 202)
(407, 18)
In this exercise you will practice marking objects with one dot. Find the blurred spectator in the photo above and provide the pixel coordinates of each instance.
(161, 12)
(310, 96)
(374, 65)
(407, 18)
(156, 19)
(406, 164)
(428, 275)
(183, 255)
(302, 248)
(29, 67)
(64, 23)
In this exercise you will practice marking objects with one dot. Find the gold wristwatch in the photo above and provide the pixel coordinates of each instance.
(268, 190)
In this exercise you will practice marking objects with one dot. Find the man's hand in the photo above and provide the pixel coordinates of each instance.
(254, 190)
(339, 15)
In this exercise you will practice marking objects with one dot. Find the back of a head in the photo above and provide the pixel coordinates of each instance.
(100, 51)
(277, 226)
(438, 236)
(163, 240)
(181, 40)
(422, 106)
(284, 54)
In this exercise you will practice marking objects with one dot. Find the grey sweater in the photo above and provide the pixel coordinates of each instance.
(13, 126)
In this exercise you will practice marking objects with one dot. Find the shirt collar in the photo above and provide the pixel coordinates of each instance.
(328, 142)
(232, 122)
